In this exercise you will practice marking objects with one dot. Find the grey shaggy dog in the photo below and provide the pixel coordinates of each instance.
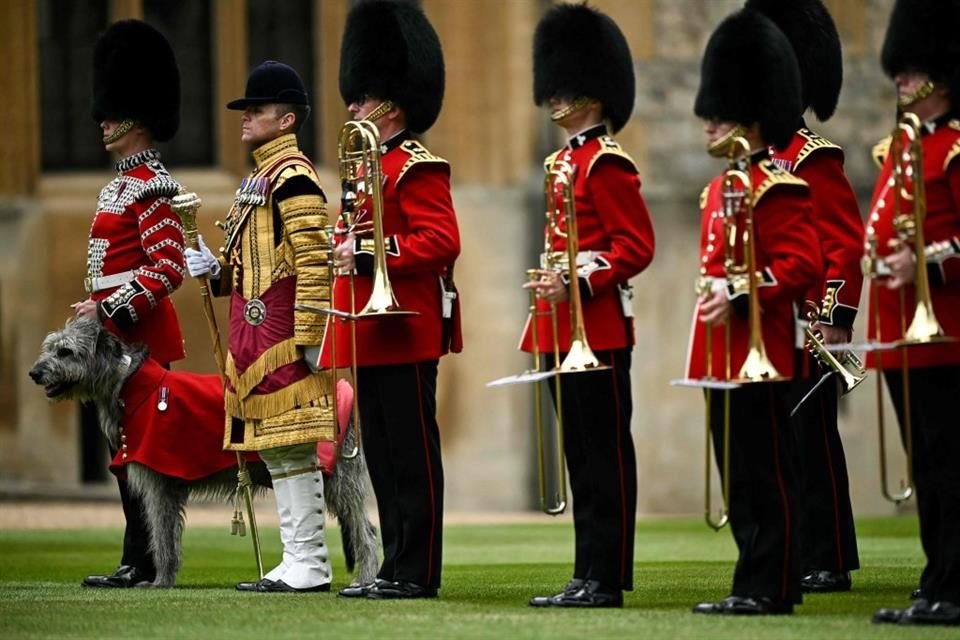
(85, 363)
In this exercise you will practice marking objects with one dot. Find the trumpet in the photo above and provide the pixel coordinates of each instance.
(848, 367)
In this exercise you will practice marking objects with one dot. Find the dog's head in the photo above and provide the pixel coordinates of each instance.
(74, 359)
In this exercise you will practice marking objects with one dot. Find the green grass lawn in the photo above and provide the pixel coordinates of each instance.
(489, 573)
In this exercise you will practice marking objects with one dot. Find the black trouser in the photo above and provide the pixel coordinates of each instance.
(763, 489)
(826, 534)
(401, 441)
(602, 463)
(935, 429)
(136, 535)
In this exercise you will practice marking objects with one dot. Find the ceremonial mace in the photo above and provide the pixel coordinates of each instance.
(185, 205)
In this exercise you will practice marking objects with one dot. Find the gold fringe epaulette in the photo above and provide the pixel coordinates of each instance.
(418, 153)
(774, 175)
(954, 150)
(703, 197)
(814, 142)
(609, 146)
(278, 355)
(880, 151)
(549, 160)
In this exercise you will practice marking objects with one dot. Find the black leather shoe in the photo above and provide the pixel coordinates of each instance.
(819, 581)
(359, 590)
(548, 601)
(717, 608)
(893, 616)
(759, 606)
(123, 578)
(591, 596)
(251, 586)
(939, 613)
(916, 593)
(400, 591)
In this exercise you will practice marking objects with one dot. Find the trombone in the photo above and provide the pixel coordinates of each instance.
(560, 208)
(906, 155)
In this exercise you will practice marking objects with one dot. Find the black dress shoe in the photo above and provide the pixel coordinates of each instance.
(360, 590)
(717, 608)
(893, 616)
(759, 606)
(548, 601)
(591, 596)
(941, 612)
(251, 586)
(123, 578)
(819, 581)
(916, 593)
(387, 590)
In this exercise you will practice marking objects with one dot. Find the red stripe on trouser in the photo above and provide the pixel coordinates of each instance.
(833, 486)
(783, 499)
(623, 492)
(426, 456)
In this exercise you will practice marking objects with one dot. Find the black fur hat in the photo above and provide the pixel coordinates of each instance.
(923, 36)
(816, 43)
(750, 74)
(391, 51)
(135, 76)
(579, 51)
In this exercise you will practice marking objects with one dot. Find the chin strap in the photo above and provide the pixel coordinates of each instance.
(720, 148)
(922, 92)
(382, 109)
(122, 129)
(571, 108)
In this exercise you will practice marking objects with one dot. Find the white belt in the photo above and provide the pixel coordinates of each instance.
(92, 285)
(583, 257)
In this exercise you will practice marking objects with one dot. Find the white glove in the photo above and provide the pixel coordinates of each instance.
(202, 262)
(311, 355)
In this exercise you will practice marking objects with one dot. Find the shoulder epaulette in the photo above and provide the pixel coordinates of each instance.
(955, 149)
(703, 197)
(292, 167)
(609, 146)
(549, 160)
(814, 142)
(881, 150)
(774, 175)
(418, 153)
(160, 185)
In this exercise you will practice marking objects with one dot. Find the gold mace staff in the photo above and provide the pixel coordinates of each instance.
(185, 205)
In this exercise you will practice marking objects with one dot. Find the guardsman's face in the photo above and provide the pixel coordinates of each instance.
(128, 143)
(260, 124)
(363, 106)
(716, 129)
(909, 82)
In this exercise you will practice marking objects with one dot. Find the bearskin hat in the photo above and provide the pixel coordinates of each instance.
(750, 74)
(922, 35)
(816, 43)
(135, 76)
(391, 51)
(579, 51)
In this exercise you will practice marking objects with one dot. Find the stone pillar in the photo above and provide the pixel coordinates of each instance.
(230, 74)
(126, 9)
(20, 152)
(329, 111)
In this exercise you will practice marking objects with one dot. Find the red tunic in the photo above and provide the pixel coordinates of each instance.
(836, 216)
(422, 238)
(616, 242)
(941, 229)
(788, 262)
(182, 438)
(136, 230)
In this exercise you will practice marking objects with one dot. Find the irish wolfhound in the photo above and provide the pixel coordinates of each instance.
(88, 364)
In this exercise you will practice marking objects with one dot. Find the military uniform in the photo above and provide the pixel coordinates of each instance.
(616, 242)
(398, 356)
(763, 109)
(934, 376)
(827, 533)
(135, 247)
(581, 58)
(275, 257)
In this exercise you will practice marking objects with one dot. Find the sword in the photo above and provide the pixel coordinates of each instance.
(185, 205)
(827, 376)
